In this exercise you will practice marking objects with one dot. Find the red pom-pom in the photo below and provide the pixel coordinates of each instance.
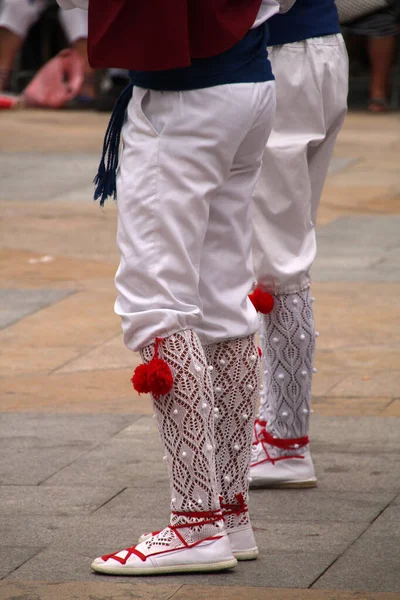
(259, 351)
(159, 377)
(140, 379)
(263, 302)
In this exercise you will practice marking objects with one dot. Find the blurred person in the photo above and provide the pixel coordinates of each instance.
(310, 63)
(16, 19)
(112, 86)
(380, 29)
(195, 122)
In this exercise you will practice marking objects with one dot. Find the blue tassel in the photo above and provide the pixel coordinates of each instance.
(106, 178)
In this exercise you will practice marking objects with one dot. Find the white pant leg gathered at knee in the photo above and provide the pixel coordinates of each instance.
(75, 24)
(312, 79)
(18, 16)
(226, 272)
(179, 148)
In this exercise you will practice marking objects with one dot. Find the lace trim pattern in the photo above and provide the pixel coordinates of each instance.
(185, 419)
(235, 376)
(287, 338)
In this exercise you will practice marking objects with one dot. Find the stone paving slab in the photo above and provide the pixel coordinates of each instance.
(52, 131)
(344, 457)
(113, 354)
(361, 199)
(87, 392)
(41, 500)
(277, 569)
(358, 472)
(18, 303)
(34, 448)
(70, 322)
(139, 590)
(65, 540)
(28, 266)
(73, 428)
(277, 505)
(13, 556)
(312, 505)
(191, 593)
(33, 461)
(62, 176)
(132, 590)
(374, 385)
(351, 406)
(359, 248)
(33, 177)
(116, 462)
(373, 561)
(359, 359)
(347, 433)
(69, 235)
(392, 410)
(96, 533)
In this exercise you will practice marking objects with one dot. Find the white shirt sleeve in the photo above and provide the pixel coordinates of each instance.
(68, 4)
(269, 8)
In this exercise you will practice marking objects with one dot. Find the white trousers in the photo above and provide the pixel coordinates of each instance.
(188, 169)
(311, 89)
(18, 16)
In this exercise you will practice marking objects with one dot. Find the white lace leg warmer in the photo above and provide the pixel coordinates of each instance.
(287, 338)
(235, 376)
(185, 420)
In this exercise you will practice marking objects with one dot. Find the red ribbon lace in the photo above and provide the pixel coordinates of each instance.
(234, 509)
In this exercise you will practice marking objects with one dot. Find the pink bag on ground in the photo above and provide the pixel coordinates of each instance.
(57, 82)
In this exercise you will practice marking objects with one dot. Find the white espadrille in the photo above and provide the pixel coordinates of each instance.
(183, 547)
(240, 534)
(273, 467)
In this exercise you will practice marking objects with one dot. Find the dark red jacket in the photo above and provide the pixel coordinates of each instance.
(148, 35)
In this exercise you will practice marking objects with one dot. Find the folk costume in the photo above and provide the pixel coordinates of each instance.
(309, 60)
(198, 116)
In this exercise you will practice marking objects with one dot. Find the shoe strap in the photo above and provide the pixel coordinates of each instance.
(206, 517)
(258, 423)
(234, 509)
(283, 444)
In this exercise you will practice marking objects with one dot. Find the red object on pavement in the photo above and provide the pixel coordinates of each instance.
(7, 102)
(57, 82)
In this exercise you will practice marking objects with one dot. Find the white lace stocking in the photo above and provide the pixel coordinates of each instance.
(235, 376)
(288, 343)
(186, 424)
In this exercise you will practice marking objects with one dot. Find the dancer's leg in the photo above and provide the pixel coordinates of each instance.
(225, 281)
(295, 165)
(164, 196)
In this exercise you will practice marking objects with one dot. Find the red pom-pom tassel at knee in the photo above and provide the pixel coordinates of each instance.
(263, 302)
(155, 377)
(140, 379)
(159, 377)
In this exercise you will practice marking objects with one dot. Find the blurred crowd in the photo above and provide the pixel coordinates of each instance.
(33, 31)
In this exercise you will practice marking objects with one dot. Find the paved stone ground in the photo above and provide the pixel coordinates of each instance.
(80, 468)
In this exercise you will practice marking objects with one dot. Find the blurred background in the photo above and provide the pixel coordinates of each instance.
(34, 31)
